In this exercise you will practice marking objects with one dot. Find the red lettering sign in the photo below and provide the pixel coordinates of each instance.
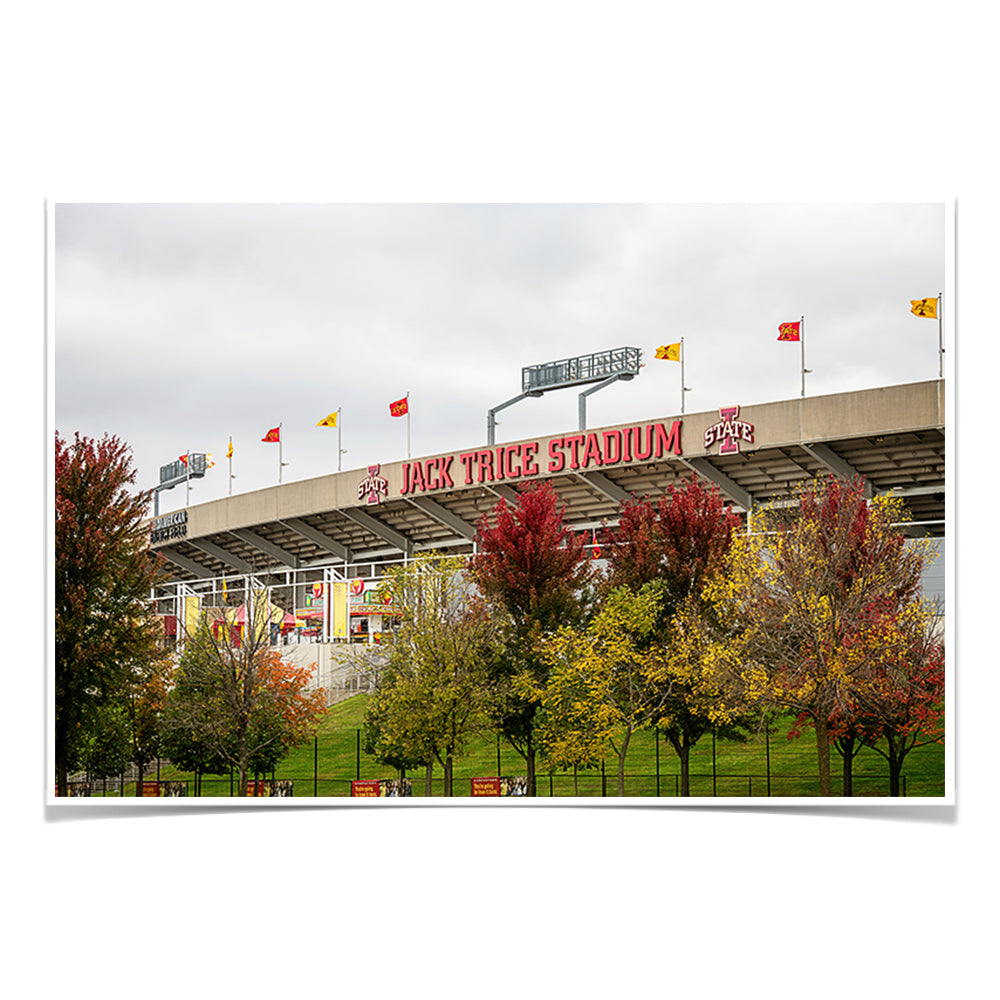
(367, 788)
(640, 443)
(485, 786)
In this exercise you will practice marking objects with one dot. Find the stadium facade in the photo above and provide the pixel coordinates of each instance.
(301, 542)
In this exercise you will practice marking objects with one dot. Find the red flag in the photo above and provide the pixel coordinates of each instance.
(400, 407)
(788, 331)
(271, 435)
(182, 458)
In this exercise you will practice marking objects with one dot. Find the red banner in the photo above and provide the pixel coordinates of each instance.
(485, 786)
(367, 788)
(150, 788)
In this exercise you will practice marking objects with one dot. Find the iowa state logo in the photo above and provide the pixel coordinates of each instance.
(374, 487)
(730, 431)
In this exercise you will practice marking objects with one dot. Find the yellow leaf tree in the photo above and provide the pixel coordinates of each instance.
(807, 589)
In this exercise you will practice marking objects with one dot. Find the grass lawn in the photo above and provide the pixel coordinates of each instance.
(326, 766)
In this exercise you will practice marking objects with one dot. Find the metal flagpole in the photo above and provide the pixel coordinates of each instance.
(340, 451)
(802, 344)
(940, 337)
(683, 389)
(407, 424)
(280, 463)
(229, 455)
(187, 480)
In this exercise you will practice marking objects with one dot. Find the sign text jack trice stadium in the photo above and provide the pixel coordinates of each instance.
(585, 450)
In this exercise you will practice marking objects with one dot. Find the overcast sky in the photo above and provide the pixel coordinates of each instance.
(178, 326)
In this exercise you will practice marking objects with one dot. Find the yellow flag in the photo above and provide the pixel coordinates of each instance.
(229, 454)
(328, 421)
(672, 352)
(924, 307)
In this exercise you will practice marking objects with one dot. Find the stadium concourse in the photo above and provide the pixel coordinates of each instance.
(317, 547)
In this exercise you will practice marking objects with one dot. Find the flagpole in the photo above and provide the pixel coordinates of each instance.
(940, 337)
(340, 451)
(280, 463)
(802, 338)
(187, 478)
(683, 390)
(407, 424)
(229, 456)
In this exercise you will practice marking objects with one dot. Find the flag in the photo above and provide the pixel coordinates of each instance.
(229, 454)
(924, 307)
(788, 331)
(272, 435)
(209, 460)
(328, 421)
(400, 407)
(182, 458)
(672, 352)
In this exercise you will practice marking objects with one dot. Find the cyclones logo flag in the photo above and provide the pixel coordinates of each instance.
(271, 435)
(788, 331)
(400, 407)
(669, 352)
(924, 307)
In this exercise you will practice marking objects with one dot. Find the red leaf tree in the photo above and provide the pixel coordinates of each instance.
(531, 566)
(681, 540)
(103, 577)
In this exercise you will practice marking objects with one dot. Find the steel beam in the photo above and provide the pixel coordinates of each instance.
(277, 553)
(318, 538)
(210, 548)
(444, 516)
(825, 455)
(734, 491)
(604, 486)
(378, 529)
(202, 572)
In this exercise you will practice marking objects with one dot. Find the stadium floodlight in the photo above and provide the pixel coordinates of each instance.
(602, 367)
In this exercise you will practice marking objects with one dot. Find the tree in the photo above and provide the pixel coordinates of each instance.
(144, 698)
(681, 541)
(809, 588)
(103, 578)
(433, 691)
(531, 568)
(240, 703)
(604, 681)
(902, 699)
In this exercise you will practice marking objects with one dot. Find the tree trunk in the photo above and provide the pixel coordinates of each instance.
(429, 779)
(621, 761)
(447, 775)
(823, 753)
(895, 759)
(529, 757)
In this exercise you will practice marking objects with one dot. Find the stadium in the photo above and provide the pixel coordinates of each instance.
(315, 549)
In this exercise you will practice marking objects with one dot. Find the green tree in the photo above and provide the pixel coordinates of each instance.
(604, 681)
(532, 570)
(103, 578)
(433, 692)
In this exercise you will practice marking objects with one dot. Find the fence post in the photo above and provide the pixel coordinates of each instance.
(767, 748)
(604, 783)
(357, 757)
(714, 789)
(315, 766)
(656, 734)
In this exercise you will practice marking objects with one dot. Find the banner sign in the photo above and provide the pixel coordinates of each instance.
(485, 786)
(150, 788)
(394, 788)
(500, 786)
(639, 443)
(366, 788)
(269, 789)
